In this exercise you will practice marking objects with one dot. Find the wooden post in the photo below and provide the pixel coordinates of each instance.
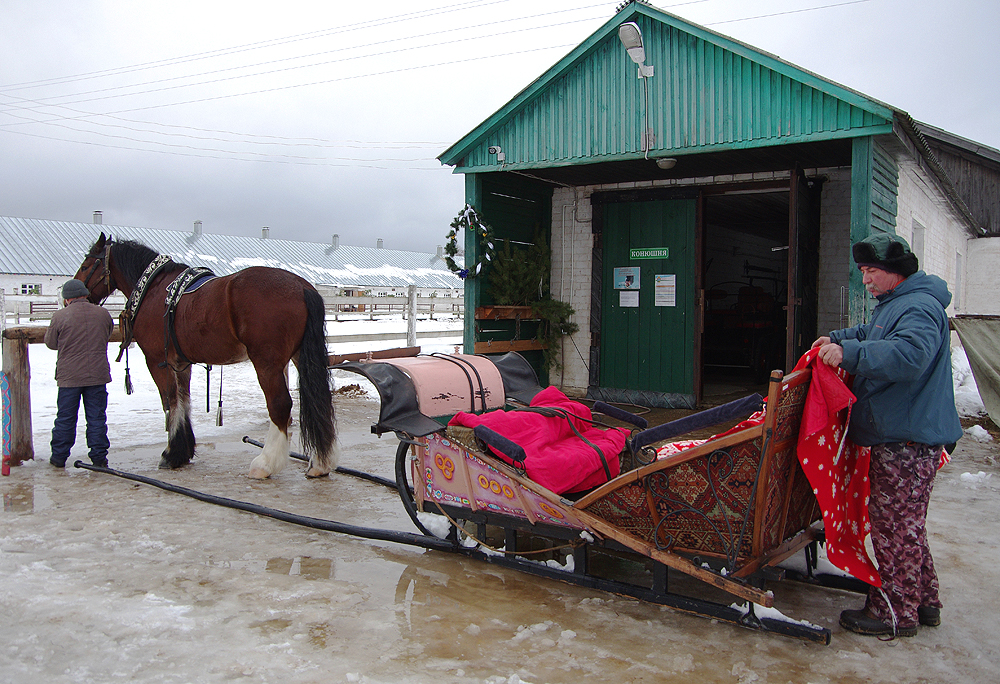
(15, 367)
(411, 315)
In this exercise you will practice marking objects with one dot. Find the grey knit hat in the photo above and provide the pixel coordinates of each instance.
(73, 289)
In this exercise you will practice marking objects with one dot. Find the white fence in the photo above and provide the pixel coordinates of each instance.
(384, 306)
(19, 309)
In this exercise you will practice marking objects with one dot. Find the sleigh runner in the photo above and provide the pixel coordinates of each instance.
(725, 512)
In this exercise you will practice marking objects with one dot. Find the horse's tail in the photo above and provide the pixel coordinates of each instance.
(316, 418)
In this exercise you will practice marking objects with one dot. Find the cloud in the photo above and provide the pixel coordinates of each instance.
(316, 118)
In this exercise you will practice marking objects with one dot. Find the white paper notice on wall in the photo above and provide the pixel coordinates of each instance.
(665, 290)
(628, 299)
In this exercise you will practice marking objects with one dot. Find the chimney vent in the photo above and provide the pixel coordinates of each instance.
(378, 244)
(98, 218)
(336, 240)
(197, 228)
(264, 232)
(440, 252)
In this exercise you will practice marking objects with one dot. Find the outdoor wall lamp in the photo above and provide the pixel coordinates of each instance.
(631, 37)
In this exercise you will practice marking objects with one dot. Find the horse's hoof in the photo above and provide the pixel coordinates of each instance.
(259, 474)
(165, 464)
(313, 473)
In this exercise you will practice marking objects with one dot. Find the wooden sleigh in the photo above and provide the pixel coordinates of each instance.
(725, 513)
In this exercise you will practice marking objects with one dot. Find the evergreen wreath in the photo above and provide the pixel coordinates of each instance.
(468, 220)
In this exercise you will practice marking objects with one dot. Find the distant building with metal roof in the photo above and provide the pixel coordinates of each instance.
(37, 256)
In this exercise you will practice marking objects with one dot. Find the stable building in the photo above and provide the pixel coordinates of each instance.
(37, 256)
(700, 198)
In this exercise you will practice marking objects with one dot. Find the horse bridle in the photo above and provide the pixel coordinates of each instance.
(106, 262)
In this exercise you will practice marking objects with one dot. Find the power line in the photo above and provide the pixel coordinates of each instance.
(326, 63)
(368, 165)
(87, 117)
(779, 14)
(475, 4)
(264, 140)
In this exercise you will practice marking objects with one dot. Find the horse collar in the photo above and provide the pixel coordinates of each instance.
(135, 299)
(139, 291)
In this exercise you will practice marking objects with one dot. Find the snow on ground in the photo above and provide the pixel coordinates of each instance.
(967, 399)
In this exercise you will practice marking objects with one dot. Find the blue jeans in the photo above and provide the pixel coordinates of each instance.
(95, 408)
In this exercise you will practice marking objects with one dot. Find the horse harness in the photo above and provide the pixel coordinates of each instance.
(189, 280)
(127, 318)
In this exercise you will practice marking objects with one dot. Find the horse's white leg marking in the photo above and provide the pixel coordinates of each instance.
(273, 457)
(178, 415)
(316, 469)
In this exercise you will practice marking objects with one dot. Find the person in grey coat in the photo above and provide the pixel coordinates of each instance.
(80, 332)
(905, 411)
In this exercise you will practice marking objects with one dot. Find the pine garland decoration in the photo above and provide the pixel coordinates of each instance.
(520, 277)
(520, 274)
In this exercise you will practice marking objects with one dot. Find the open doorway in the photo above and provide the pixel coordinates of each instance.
(745, 279)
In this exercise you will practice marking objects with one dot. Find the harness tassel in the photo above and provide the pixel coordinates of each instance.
(128, 377)
(218, 413)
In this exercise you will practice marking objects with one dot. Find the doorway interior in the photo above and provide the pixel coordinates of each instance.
(745, 279)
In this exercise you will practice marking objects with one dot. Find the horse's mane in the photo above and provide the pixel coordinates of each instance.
(133, 257)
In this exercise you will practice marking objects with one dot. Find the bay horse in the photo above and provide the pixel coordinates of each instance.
(267, 315)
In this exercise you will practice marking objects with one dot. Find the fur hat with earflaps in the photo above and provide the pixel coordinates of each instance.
(888, 252)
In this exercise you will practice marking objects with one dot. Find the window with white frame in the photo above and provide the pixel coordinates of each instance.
(31, 288)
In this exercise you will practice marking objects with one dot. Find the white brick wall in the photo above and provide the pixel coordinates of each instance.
(945, 235)
(982, 283)
(572, 251)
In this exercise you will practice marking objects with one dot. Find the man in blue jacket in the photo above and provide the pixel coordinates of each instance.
(905, 412)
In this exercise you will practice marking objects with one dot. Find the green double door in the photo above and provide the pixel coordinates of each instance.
(648, 332)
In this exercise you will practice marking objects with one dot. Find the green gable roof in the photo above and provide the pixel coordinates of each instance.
(708, 93)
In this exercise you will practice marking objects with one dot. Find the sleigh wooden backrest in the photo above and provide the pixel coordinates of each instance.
(782, 503)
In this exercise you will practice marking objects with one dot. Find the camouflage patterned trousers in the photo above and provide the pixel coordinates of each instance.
(902, 476)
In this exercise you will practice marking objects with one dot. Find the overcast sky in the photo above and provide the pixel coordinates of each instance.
(315, 118)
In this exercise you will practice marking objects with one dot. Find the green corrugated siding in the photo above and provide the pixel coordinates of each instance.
(884, 190)
(874, 192)
(703, 97)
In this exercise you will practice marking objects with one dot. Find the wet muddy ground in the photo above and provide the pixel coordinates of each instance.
(107, 580)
